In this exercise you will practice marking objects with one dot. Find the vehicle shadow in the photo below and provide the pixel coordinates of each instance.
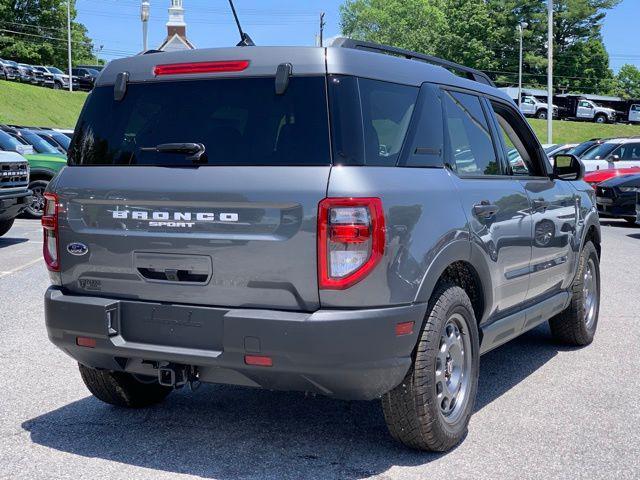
(232, 432)
(7, 242)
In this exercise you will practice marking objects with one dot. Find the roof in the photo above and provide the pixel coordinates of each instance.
(513, 92)
(176, 43)
(305, 61)
(595, 98)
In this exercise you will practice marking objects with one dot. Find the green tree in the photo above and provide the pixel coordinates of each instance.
(414, 24)
(628, 82)
(35, 31)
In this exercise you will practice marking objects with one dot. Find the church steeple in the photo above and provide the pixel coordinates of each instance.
(176, 29)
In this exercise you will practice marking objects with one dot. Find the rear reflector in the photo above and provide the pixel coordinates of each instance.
(86, 342)
(258, 360)
(405, 328)
(201, 67)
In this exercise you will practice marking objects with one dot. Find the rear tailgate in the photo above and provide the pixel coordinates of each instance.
(224, 236)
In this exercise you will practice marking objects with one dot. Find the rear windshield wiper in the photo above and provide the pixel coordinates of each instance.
(195, 151)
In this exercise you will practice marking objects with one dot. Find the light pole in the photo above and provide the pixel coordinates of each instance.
(69, 44)
(550, 74)
(521, 27)
(144, 17)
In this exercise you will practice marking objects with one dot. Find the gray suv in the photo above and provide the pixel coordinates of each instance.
(344, 221)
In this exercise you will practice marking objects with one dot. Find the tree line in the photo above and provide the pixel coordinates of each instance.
(484, 34)
(35, 32)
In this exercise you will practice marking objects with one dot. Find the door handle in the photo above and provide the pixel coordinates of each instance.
(540, 205)
(485, 209)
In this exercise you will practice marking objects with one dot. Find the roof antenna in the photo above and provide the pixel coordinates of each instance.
(245, 39)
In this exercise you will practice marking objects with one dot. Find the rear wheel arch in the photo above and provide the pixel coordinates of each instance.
(458, 266)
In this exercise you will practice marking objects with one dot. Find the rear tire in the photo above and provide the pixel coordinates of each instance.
(422, 412)
(5, 226)
(122, 389)
(577, 325)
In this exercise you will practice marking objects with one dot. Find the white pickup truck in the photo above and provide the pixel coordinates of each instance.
(532, 107)
(588, 110)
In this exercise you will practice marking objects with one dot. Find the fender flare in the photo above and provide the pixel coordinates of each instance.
(458, 251)
(42, 171)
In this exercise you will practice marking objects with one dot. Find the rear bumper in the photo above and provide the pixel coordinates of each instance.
(621, 206)
(350, 354)
(12, 205)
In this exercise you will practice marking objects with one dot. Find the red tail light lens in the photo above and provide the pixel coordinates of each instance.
(50, 248)
(201, 67)
(351, 240)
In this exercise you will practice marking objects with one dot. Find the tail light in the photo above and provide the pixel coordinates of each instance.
(50, 249)
(351, 239)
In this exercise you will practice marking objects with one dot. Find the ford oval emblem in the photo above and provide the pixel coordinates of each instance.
(77, 249)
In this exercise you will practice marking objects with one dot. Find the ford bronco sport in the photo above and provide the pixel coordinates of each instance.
(343, 221)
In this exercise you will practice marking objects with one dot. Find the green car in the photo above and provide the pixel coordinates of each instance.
(43, 168)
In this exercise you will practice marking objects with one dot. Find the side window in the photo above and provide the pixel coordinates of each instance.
(630, 151)
(471, 150)
(387, 109)
(427, 137)
(520, 144)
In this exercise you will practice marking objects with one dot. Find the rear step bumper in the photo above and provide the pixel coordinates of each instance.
(350, 354)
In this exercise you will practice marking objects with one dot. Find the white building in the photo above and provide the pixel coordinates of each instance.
(176, 30)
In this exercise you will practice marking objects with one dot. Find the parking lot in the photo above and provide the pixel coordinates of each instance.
(543, 411)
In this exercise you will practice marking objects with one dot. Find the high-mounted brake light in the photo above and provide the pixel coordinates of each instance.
(50, 249)
(201, 67)
(351, 240)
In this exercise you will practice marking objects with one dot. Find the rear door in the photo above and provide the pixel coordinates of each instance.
(237, 228)
(495, 203)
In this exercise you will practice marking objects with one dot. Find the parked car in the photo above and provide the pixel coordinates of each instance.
(595, 177)
(65, 131)
(97, 68)
(55, 138)
(557, 149)
(45, 164)
(32, 76)
(14, 191)
(8, 143)
(573, 107)
(86, 77)
(581, 149)
(61, 79)
(614, 153)
(48, 79)
(532, 107)
(9, 70)
(616, 197)
(346, 224)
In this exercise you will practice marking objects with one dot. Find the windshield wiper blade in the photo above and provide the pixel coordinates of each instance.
(195, 151)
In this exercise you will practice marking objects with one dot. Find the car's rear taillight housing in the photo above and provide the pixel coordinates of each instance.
(351, 240)
(201, 67)
(50, 248)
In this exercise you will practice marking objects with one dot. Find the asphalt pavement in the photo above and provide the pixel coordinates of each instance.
(543, 411)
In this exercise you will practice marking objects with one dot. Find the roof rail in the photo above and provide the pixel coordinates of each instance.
(470, 73)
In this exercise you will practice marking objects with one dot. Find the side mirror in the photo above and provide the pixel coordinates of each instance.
(568, 167)
(615, 158)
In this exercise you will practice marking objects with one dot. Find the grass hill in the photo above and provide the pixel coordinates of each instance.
(28, 105)
(23, 104)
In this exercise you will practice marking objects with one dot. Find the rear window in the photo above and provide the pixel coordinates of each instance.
(240, 121)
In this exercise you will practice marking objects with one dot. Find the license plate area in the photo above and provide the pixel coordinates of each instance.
(172, 326)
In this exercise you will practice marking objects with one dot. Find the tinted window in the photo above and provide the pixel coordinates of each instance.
(39, 144)
(600, 152)
(239, 121)
(471, 150)
(370, 120)
(630, 151)
(7, 142)
(427, 145)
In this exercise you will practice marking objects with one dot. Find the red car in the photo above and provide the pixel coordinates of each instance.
(597, 176)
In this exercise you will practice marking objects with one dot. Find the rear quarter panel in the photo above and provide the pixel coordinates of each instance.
(423, 219)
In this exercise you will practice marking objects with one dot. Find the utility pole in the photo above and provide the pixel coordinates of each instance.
(144, 17)
(69, 44)
(521, 27)
(322, 25)
(550, 74)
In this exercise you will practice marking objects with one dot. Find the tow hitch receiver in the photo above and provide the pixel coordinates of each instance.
(173, 375)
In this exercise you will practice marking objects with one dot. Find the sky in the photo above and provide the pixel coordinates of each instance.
(115, 24)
